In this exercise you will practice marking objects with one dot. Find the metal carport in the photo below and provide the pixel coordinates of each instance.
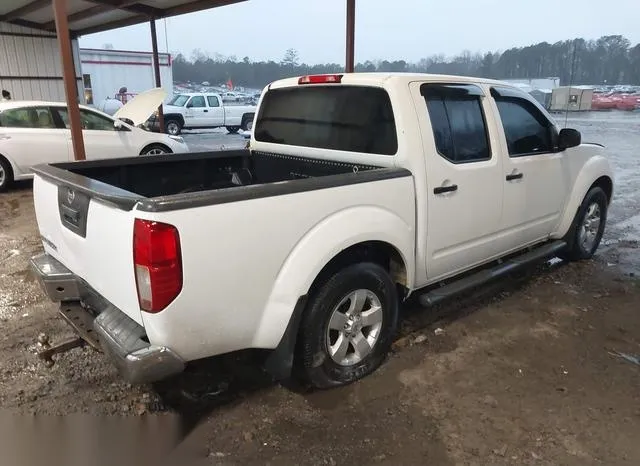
(73, 18)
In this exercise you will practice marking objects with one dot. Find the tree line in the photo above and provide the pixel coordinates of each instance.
(608, 60)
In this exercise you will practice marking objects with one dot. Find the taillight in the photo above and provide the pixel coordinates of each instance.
(158, 264)
(321, 79)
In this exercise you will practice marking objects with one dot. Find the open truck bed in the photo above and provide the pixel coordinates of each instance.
(170, 182)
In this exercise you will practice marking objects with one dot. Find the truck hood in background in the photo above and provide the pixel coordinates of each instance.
(142, 106)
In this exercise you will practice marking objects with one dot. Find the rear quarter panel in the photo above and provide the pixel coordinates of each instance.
(233, 113)
(246, 263)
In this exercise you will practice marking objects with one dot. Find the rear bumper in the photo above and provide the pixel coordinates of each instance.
(120, 337)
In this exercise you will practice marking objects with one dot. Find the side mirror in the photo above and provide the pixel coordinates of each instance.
(189, 105)
(117, 124)
(569, 138)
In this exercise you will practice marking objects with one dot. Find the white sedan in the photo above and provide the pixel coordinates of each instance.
(32, 133)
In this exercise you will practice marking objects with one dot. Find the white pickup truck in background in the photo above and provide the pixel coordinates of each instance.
(202, 111)
(359, 190)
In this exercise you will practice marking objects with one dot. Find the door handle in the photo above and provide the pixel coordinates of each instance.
(445, 189)
(205, 111)
(515, 176)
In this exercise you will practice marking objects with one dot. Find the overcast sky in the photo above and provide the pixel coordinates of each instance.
(400, 29)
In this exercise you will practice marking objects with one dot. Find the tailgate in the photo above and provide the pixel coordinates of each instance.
(91, 236)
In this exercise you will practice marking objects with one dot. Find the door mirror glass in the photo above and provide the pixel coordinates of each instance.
(569, 137)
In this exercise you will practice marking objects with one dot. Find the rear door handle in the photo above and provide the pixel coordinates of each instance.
(515, 176)
(205, 111)
(445, 189)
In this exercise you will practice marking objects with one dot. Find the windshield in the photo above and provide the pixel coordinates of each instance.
(179, 100)
(345, 118)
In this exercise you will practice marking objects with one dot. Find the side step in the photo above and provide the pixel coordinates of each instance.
(436, 295)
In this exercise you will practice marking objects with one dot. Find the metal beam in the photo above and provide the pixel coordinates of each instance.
(132, 6)
(69, 76)
(30, 24)
(198, 5)
(25, 10)
(156, 68)
(351, 32)
(120, 23)
(80, 15)
(103, 6)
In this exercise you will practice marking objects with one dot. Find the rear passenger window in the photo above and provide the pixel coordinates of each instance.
(213, 101)
(197, 102)
(458, 123)
(344, 118)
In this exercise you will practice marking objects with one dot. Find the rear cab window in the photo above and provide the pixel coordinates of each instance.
(344, 118)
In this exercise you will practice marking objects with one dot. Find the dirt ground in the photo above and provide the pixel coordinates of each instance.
(525, 371)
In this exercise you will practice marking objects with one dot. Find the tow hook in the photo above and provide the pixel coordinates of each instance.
(46, 351)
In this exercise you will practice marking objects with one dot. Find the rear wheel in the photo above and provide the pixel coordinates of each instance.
(232, 129)
(173, 127)
(6, 175)
(156, 149)
(588, 227)
(348, 327)
(247, 122)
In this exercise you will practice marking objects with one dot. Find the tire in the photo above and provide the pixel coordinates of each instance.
(156, 149)
(247, 123)
(6, 175)
(173, 127)
(588, 226)
(327, 357)
(232, 129)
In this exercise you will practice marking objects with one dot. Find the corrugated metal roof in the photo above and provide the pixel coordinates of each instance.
(90, 16)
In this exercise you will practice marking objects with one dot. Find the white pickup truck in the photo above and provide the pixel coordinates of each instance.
(359, 190)
(202, 111)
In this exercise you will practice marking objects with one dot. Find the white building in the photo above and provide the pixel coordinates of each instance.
(104, 72)
(536, 83)
(30, 67)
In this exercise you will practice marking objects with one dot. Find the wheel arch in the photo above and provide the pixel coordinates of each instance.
(596, 172)
(157, 144)
(367, 234)
(175, 116)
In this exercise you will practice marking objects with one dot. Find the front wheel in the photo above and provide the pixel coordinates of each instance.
(348, 327)
(156, 149)
(588, 227)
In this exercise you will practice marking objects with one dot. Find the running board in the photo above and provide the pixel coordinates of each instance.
(486, 275)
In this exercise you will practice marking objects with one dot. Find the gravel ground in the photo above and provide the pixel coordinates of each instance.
(523, 372)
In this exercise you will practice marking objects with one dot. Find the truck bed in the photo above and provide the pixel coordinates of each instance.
(170, 182)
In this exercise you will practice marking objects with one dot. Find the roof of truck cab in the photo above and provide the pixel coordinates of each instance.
(378, 79)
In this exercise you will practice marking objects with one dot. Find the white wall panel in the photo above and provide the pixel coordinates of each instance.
(30, 64)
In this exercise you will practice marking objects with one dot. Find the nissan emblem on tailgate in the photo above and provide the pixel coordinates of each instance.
(71, 195)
